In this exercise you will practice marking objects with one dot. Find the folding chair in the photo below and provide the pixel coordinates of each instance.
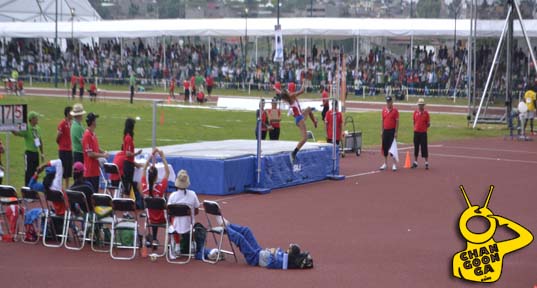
(155, 203)
(120, 206)
(8, 197)
(54, 196)
(212, 208)
(180, 210)
(78, 212)
(109, 169)
(30, 196)
(102, 217)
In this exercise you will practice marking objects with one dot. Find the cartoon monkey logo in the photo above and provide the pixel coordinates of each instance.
(482, 259)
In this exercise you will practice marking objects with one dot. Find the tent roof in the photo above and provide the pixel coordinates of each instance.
(313, 27)
(45, 10)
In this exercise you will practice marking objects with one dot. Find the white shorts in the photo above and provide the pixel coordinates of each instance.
(531, 114)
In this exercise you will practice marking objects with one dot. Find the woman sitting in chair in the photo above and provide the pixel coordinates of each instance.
(150, 188)
(181, 225)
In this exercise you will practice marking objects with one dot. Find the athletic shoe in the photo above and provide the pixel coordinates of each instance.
(414, 165)
(155, 244)
(427, 165)
(383, 167)
(394, 167)
(171, 254)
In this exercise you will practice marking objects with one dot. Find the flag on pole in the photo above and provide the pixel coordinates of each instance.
(393, 150)
(278, 44)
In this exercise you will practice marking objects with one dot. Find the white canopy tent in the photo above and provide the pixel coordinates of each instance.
(310, 27)
(38, 11)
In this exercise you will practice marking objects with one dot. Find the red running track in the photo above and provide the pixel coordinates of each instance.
(374, 229)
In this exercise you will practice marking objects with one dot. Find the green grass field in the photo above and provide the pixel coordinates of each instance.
(187, 125)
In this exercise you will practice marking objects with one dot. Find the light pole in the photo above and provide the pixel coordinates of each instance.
(245, 45)
(56, 47)
(72, 33)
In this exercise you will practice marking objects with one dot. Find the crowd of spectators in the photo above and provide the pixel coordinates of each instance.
(423, 70)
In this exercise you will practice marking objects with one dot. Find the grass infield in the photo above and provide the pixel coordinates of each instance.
(187, 125)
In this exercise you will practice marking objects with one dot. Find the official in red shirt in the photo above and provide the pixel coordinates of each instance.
(65, 150)
(330, 126)
(325, 105)
(81, 84)
(193, 87)
(93, 91)
(275, 118)
(291, 87)
(421, 123)
(278, 87)
(210, 82)
(390, 125)
(74, 81)
(186, 85)
(128, 150)
(92, 152)
(172, 88)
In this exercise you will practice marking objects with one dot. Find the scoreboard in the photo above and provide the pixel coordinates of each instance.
(14, 117)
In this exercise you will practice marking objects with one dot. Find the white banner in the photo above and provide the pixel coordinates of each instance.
(278, 44)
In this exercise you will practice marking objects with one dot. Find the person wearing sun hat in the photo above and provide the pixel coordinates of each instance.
(422, 122)
(33, 145)
(183, 195)
(77, 131)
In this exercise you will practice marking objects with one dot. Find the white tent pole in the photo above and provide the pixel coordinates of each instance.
(357, 53)
(525, 36)
(256, 50)
(412, 52)
(121, 50)
(483, 96)
(306, 51)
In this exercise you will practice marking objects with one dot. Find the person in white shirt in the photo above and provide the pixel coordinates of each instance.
(181, 225)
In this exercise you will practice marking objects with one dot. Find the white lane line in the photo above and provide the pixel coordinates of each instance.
(483, 158)
(363, 174)
(491, 149)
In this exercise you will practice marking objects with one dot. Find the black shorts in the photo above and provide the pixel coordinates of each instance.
(78, 157)
(67, 163)
(387, 140)
(187, 94)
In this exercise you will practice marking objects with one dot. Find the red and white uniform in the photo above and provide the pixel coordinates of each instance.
(295, 108)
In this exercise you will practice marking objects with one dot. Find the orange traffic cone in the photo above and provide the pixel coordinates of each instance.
(407, 160)
(161, 122)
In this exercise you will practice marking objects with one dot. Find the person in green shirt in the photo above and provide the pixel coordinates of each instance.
(132, 82)
(77, 131)
(33, 145)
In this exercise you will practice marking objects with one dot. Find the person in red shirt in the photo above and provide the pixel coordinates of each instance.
(210, 82)
(275, 117)
(65, 150)
(390, 125)
(119, 159)
(201, 97)
(81, 84)
(150, 188)
(92, 152)
(128, 149)
(329, 120)
(264, 124)
(93, 91)
(186, 85)
(278, 87)
(172, 88)
(422, 121)
(325, 105)
(193, 87)
(74, 81)
(291, 87)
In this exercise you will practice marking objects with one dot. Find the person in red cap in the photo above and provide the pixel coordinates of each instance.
(92, 152)
(82, 185)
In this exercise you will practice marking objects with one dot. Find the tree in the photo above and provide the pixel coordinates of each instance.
(428, 8)
(454, 8)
